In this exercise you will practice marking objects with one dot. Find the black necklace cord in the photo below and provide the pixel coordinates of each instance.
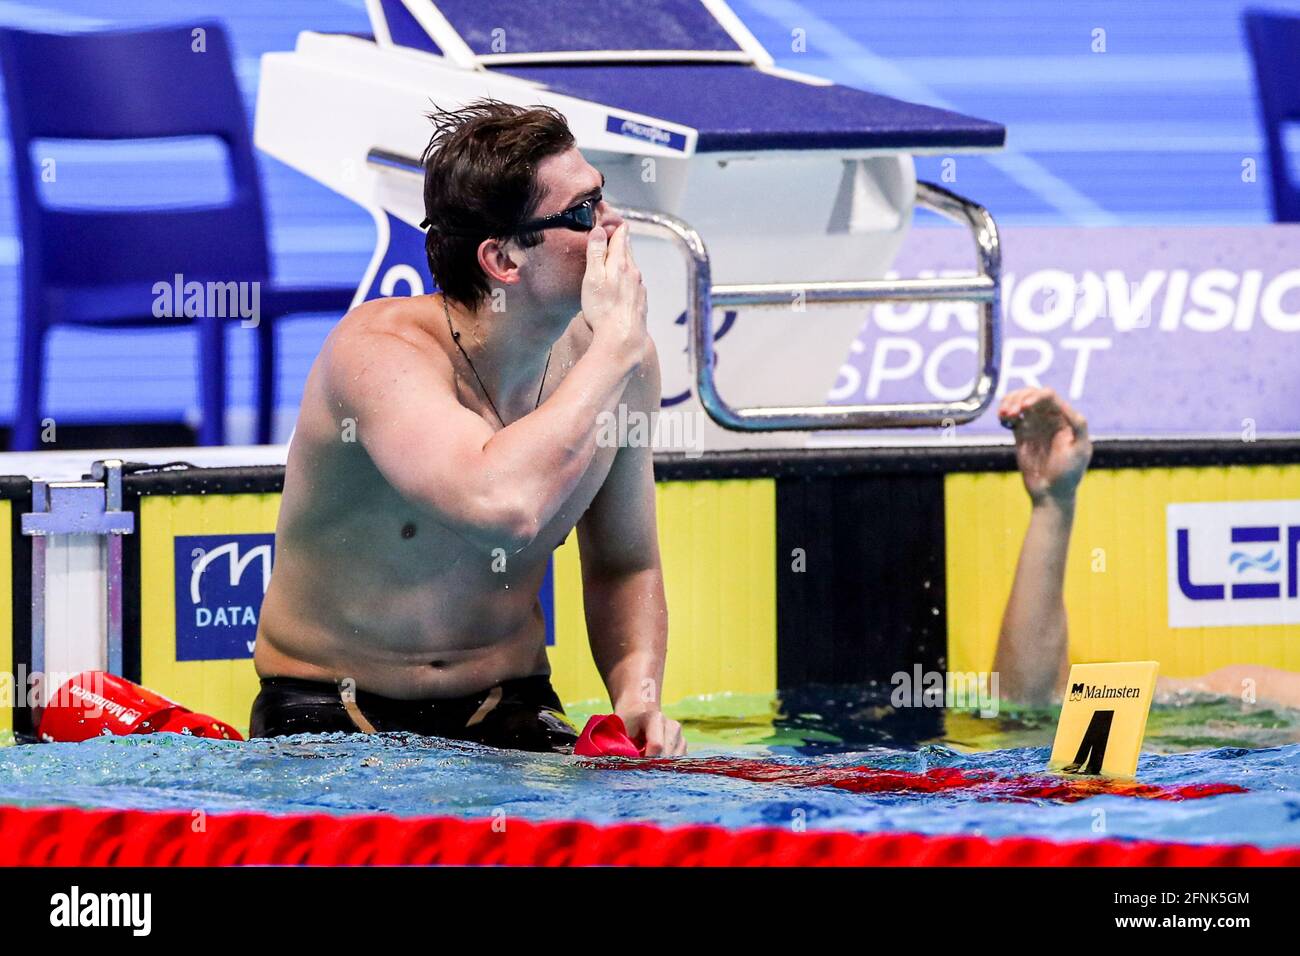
(455, 337)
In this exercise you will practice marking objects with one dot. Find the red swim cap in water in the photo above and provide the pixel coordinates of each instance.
(606, 736)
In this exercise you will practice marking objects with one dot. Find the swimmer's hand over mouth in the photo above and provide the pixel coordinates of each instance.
(657, 735)
(1052, 444)
(613, 295)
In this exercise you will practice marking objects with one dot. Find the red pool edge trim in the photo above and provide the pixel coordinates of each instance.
(75, 837)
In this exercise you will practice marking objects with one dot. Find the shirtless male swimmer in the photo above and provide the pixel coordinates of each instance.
(447, 444)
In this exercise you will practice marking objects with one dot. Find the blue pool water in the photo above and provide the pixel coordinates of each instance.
(1194, 740)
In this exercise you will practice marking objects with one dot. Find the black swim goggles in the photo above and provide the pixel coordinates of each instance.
(579, 218)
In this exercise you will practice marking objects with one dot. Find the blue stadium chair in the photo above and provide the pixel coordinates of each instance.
(97, 267)
(1275, 45)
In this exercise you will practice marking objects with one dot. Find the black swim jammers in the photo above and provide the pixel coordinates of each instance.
(519, 714)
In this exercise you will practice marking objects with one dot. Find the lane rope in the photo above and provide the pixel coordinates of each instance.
(77, 837)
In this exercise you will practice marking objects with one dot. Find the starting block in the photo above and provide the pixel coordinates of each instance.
(761, 189)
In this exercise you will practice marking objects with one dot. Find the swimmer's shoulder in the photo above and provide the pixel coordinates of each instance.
(407, 317)
(392, 331)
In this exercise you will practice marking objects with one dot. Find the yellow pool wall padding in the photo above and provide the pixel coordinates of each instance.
(1116, 577)
(717, 544)
(222, 689)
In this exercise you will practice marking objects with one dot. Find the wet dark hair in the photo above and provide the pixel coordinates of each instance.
(480, 181)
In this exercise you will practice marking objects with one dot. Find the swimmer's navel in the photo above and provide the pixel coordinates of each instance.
(408, 530)
(437, 663)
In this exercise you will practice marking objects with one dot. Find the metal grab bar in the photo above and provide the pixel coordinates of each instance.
(983, 288)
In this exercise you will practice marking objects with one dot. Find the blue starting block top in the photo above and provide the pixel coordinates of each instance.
(569, 26)
(737, 107)
(677, 61)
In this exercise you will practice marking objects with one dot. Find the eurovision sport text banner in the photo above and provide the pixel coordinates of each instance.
(1149, 331)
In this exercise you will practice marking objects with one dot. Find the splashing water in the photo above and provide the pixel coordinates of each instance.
(1191, 740)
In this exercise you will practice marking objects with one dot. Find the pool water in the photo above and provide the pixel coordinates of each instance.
(1191, 740)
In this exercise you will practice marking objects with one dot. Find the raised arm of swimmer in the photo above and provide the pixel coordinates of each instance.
(1032, 660)
(496, 489)
(1053, 451)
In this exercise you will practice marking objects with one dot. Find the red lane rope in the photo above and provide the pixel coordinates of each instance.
(874, 780)
(72, 837)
